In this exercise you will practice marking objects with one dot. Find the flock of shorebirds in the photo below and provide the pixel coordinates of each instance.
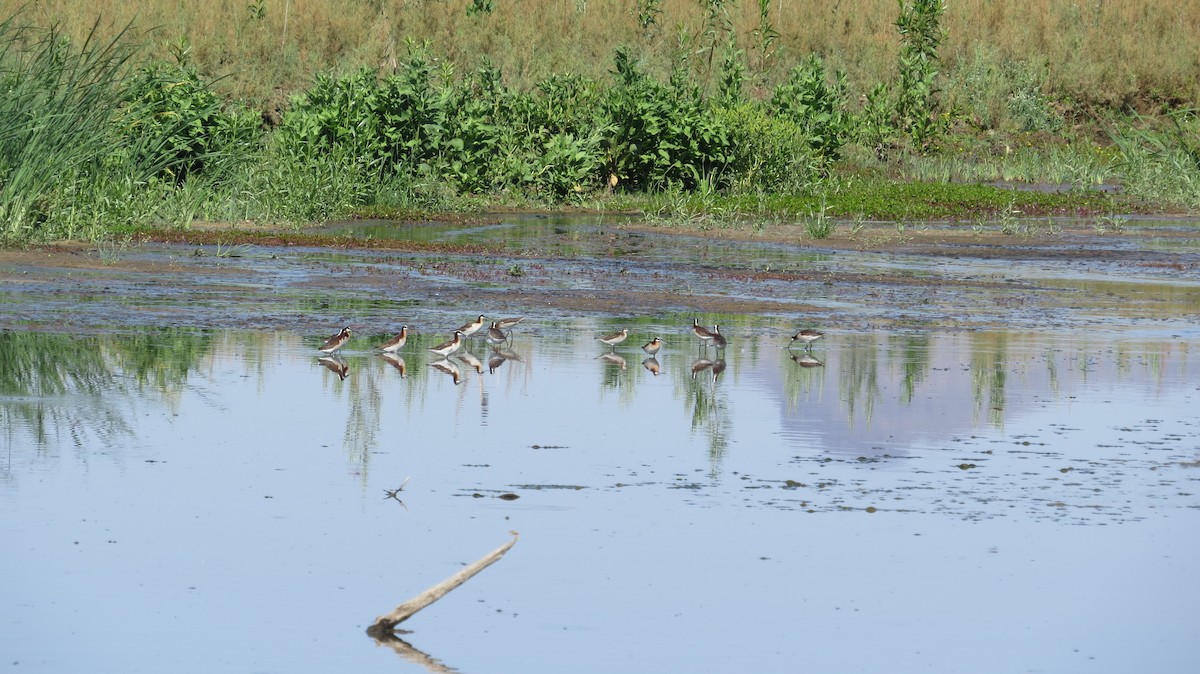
(706, 337)
(496, 337)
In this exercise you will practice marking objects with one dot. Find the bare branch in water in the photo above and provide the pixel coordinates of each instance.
(384, 624)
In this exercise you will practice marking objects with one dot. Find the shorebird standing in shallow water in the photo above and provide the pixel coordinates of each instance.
(472, 327)
(496, 336)
(615, 338)
(335, 342)
(396, 343)
(446, 348)
(653, 346)
(806, 337)
(717, 338)
(701, 332)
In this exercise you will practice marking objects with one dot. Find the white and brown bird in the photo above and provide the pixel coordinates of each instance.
(446, 348)
(336, 342)
(806, 337)
(395, 343)
(653, 346)
(495, 335)
(701, 332)
(506, 323)
(614, 338)
(717, 338)
(472, 327)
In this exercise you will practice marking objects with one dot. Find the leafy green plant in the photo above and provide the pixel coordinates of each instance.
(659, 135)
(819, 224)
(717, 30)
(817, 106)
(478, 7)
(174, 124)
(921, 34)
(647, 13)
(767, 152)
(764, 37)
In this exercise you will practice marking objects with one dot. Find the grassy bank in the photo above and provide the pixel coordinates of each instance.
(672, 108)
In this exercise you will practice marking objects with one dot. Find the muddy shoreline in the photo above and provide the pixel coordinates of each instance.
(930, 276)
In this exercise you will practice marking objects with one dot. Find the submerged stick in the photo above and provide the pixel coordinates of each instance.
(384, 624)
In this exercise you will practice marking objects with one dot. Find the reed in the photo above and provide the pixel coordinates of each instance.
(55, 116)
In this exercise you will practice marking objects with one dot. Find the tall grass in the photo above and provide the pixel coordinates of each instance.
(1094, 54)
(56, 105)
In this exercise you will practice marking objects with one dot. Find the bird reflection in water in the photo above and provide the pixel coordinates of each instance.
(806, 360)
(335, 365)
(718, 367)
(396, 362)
(699, 365)
(614, 360)
(470, 360)
(500, 356)
(449, 368)
(652, 365)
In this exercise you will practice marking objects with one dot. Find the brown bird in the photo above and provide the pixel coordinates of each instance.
(446, 348)
(718, 338)
(396, 343)
(472, 327)
(335, 342)
(652, 347)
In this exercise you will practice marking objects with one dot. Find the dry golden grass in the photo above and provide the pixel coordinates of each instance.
(1114, 52)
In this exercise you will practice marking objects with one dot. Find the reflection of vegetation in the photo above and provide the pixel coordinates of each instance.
(711, 413)
(858, 375)
(989, 374)
(913, 354)
(57, 382)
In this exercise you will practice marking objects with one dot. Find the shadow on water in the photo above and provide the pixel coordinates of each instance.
(220, 497)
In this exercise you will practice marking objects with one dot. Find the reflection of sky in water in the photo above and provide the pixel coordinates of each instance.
(230, 517)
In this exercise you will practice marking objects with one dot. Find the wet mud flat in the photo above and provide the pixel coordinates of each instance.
(878, 277)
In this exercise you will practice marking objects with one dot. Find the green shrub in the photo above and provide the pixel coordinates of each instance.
(817, 106)
(921, 34)
(768, 153)
(174, 125)
(659, 136)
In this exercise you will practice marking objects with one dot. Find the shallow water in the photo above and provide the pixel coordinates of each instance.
(994, 501)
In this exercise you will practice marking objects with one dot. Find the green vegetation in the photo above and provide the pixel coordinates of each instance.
(714, 123)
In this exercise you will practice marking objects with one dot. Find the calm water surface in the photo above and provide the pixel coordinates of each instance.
(985, 501)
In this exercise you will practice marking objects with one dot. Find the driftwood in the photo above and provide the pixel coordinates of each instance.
(412, 654)
(385, 624)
